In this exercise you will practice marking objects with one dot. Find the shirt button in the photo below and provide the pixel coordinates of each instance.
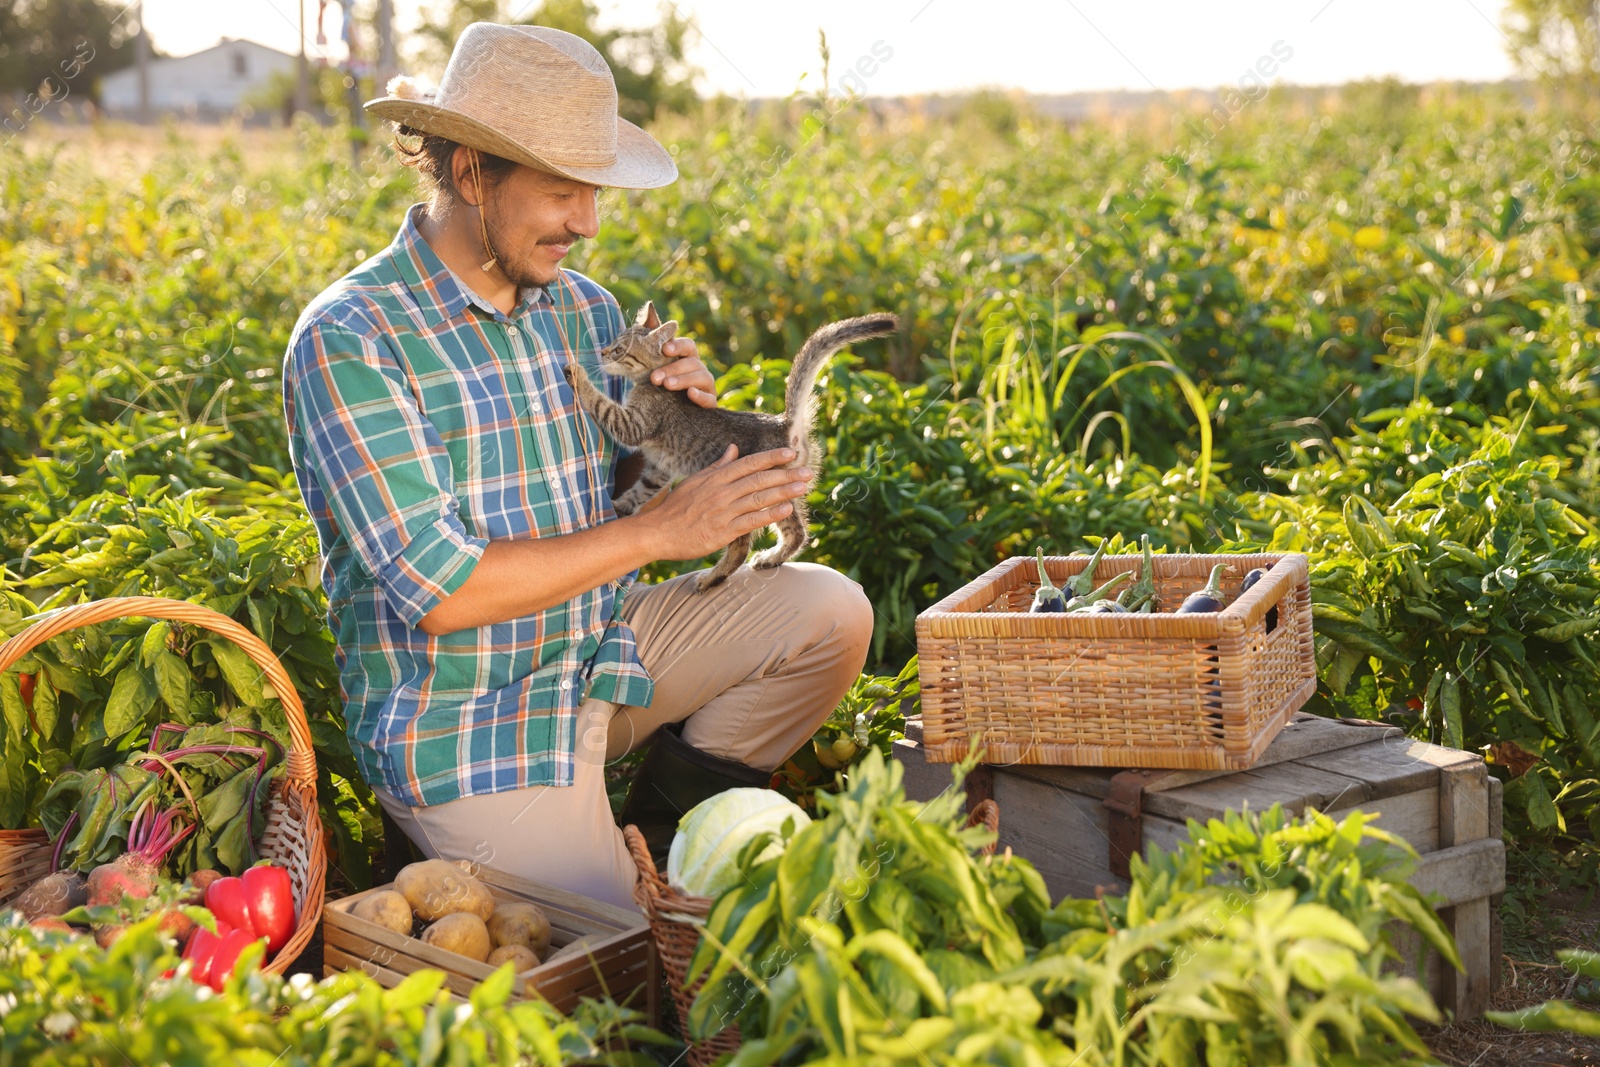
(534, 408)
(566, 683)
(511, 331)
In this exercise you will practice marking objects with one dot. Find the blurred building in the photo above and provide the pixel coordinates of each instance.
(208, 84)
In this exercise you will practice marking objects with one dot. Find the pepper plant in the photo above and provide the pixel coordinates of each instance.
(878, 938)
(72, 1004)
(1466, 607)
(105, 693)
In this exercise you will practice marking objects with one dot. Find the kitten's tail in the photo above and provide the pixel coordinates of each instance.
(799, 402)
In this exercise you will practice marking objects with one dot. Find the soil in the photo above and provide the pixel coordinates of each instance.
(1530, 974)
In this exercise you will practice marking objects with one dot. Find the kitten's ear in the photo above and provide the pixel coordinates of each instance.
(665, 332)
(647, 316)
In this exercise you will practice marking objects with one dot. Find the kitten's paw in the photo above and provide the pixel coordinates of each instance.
(570, 372)
(768, 559)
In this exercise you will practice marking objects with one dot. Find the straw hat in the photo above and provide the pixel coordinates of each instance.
(537, 96)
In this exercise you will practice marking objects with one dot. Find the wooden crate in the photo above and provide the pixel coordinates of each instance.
(1207, 690)
(1441, 800)
(620, 961)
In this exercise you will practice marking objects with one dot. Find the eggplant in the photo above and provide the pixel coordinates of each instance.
(1105, 607)
(1047, 597)
(1082, 583)
(1208, 598)
(1251, 579)
(1096, 596)
(1142, 594)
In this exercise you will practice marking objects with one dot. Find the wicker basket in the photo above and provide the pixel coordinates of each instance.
(675, 921)
(293, 835)
(1202, 691)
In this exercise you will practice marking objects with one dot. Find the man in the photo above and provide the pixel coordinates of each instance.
(492, 648)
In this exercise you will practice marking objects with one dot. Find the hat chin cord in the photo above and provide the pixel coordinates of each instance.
(483, 227)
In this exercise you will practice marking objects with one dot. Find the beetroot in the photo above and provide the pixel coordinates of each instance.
(52, 923)
(106, 935)
(179, 925)
(150, 838)
(201, 881)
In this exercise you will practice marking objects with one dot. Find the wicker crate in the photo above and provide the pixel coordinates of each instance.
(1203, 691)
(619, 962)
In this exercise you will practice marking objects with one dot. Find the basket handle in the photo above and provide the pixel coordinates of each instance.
(986, 814)
(300, 762)
(649, 888)
(1279, 581)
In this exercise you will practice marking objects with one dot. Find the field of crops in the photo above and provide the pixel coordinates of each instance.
(1360, 326)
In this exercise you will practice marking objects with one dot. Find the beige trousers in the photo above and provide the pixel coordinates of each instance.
(751, 668)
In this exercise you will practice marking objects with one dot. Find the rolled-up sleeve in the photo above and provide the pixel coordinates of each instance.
(381, 465)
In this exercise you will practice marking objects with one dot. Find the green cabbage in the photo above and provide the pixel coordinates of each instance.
(710, 835)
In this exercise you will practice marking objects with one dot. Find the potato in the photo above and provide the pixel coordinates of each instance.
(516, 922)
(521, 956)
(386, 908)
(462, 933)
(54, 894)
(436, 888)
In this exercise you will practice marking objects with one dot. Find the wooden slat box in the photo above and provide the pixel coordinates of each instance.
(619, 962)
(1441, 800)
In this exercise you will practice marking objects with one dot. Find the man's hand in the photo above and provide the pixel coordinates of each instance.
(732, 497)
(686, 372)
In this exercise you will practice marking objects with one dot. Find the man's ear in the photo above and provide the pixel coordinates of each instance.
(666, 331)
(647, 316)
(461, 176)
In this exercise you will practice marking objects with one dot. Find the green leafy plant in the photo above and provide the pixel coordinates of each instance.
(877, 937)
(103, 693)
(73, 1003)
(874, 864)
(1475, 594)
(871, 715)
(1558, 1014)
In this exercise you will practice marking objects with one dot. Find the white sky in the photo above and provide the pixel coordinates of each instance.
(760, 48)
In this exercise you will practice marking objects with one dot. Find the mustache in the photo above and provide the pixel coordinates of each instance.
(567, 238)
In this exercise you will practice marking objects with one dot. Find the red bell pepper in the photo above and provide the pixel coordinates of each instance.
(214, 955)
(261, 903)
(226, 955)
(202, 950)
(27, 683)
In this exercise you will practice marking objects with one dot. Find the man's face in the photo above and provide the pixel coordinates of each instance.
(534, 218)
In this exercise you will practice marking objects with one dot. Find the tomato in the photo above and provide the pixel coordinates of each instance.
(845, 749)
(28, 682)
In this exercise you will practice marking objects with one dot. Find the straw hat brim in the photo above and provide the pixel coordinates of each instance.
(641, 163)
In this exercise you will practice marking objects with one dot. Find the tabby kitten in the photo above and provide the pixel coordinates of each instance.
(678, 437)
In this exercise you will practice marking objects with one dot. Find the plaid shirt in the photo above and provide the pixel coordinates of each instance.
(423, 424)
